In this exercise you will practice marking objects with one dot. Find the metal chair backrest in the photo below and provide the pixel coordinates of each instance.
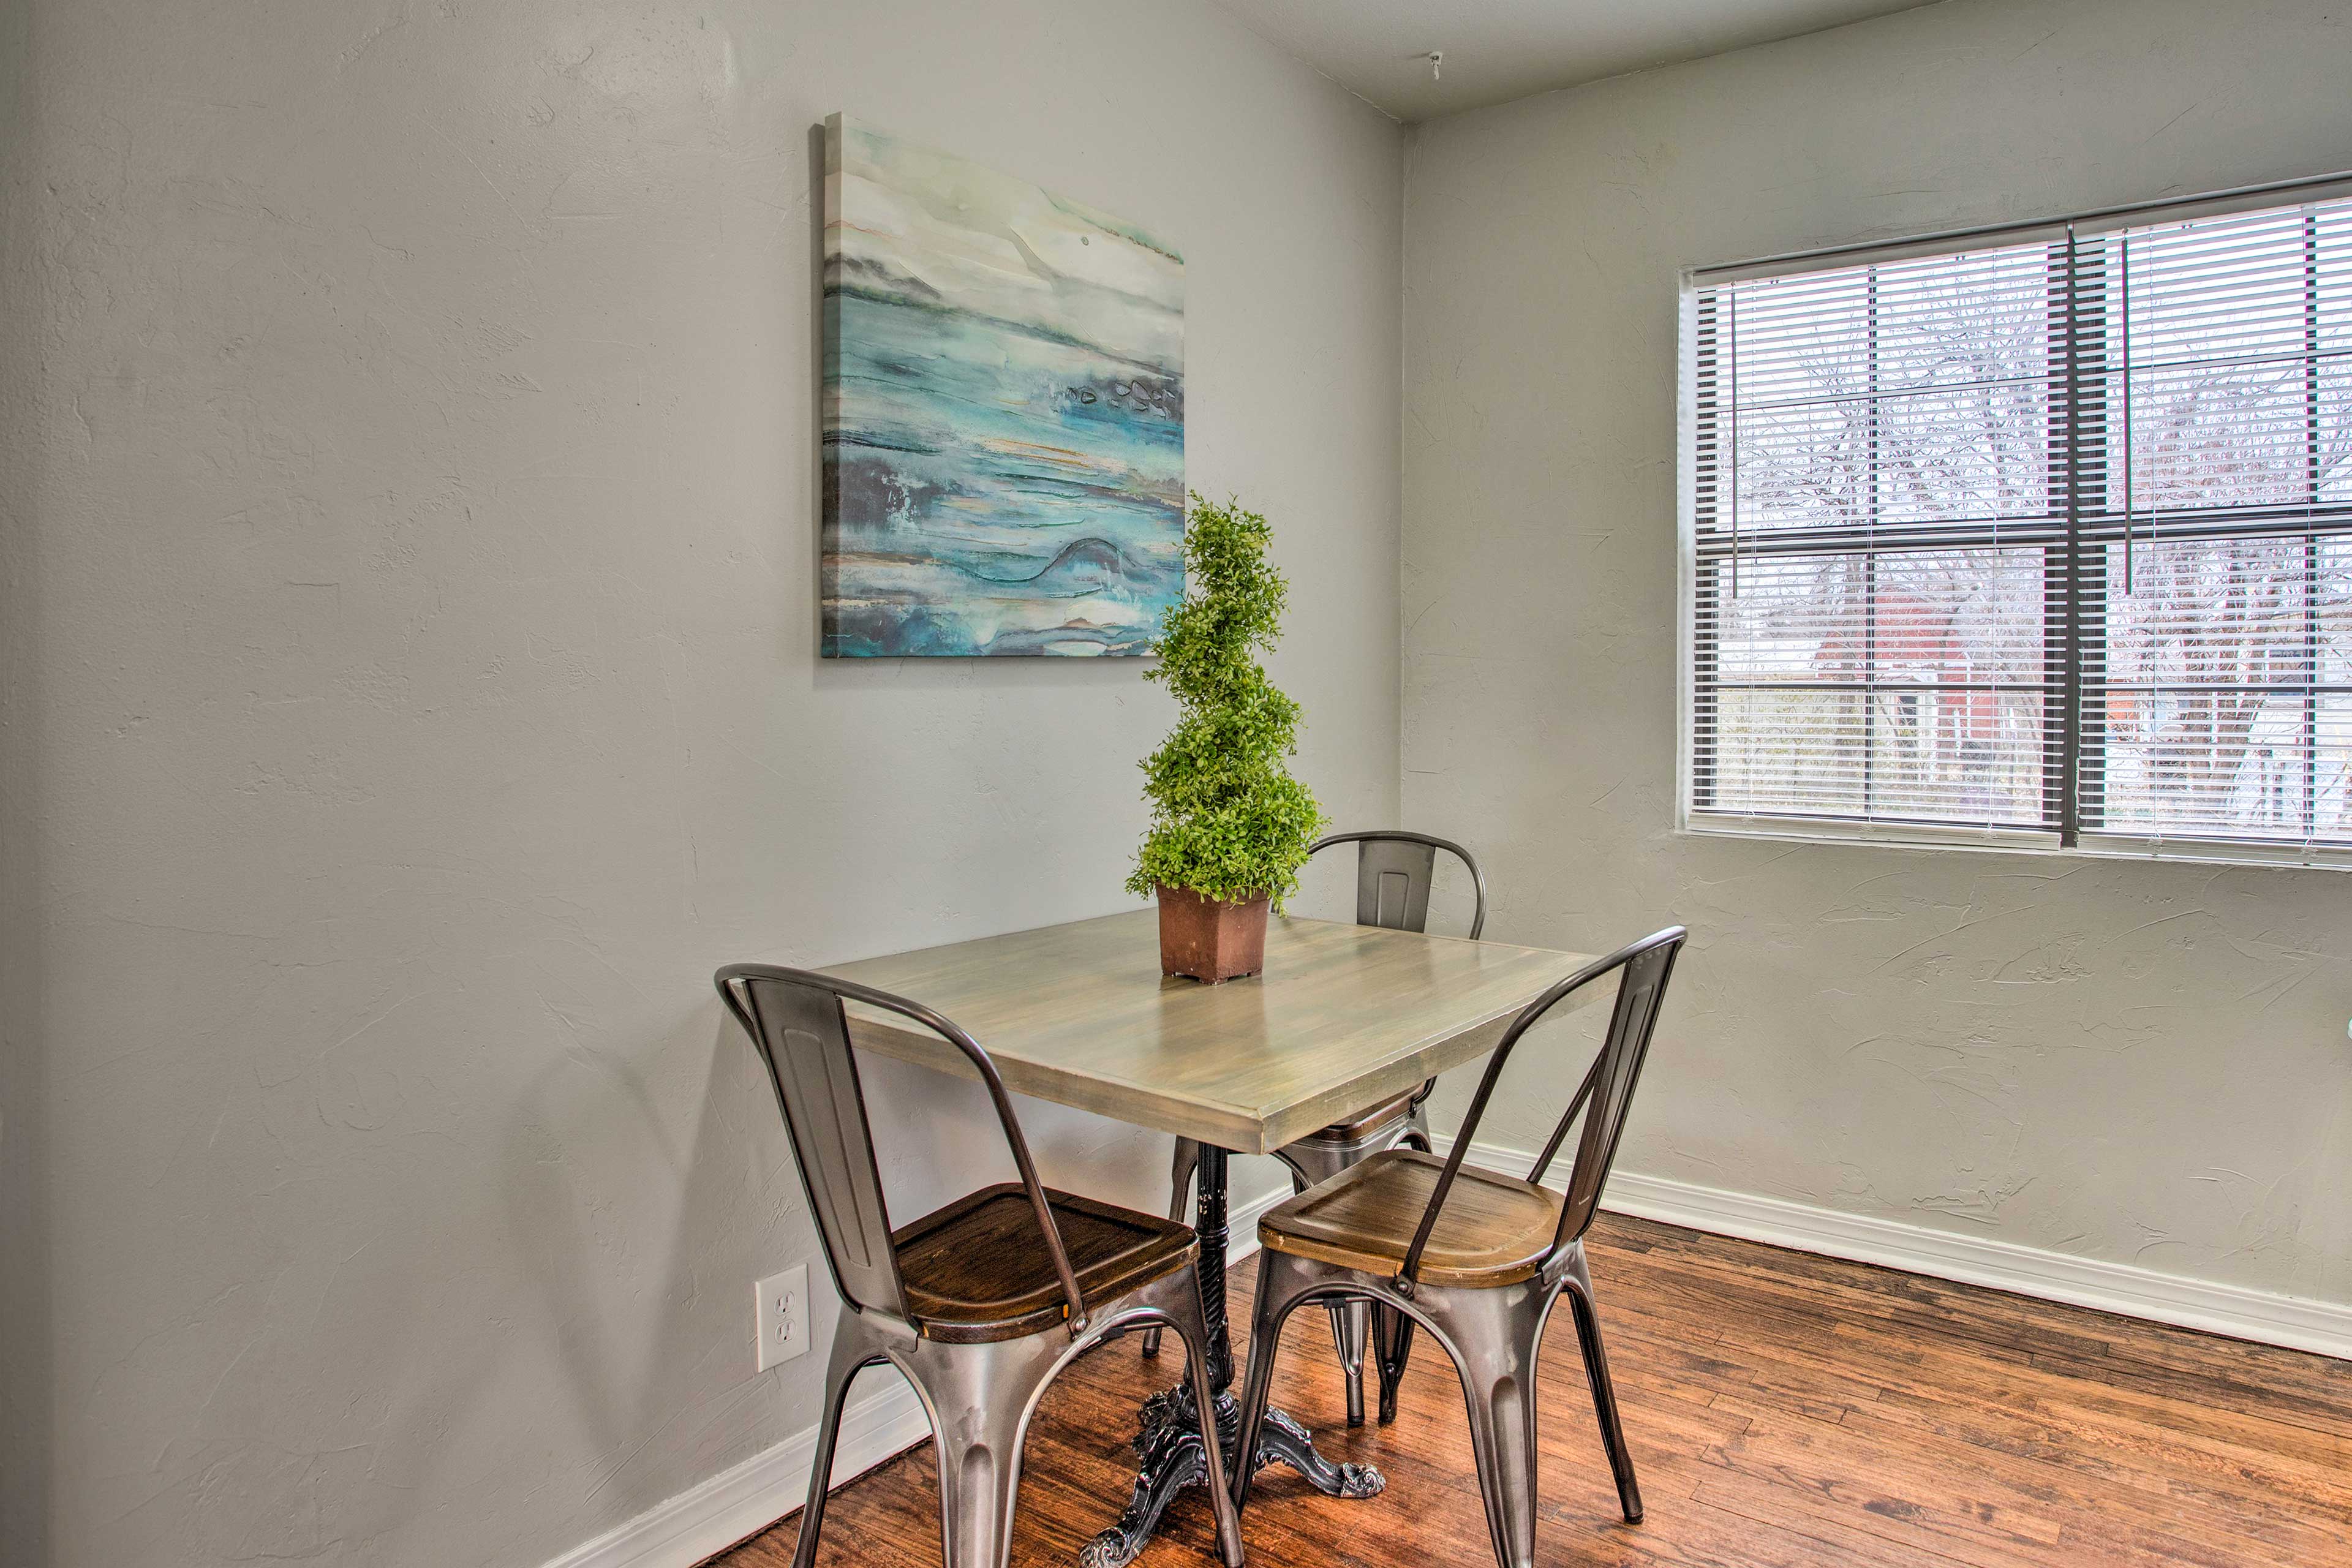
(795, 1017)
(1394, 869)
(1606, 1094)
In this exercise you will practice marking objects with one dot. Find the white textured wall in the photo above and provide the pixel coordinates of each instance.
(2135, 1062)
(411, 700)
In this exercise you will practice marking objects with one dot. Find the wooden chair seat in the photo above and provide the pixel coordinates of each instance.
(977, 1272)
(1493, 1230)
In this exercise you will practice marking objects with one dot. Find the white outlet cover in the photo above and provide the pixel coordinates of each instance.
(783, 1317)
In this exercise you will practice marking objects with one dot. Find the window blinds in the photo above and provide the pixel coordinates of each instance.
(2047, 536)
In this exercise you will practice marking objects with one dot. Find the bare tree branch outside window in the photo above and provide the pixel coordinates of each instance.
(1906, 467)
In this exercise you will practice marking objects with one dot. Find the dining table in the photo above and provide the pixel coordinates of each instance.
(1342, 1017)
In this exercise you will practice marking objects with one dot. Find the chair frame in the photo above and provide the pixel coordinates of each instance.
(1324, 1153)
(980, 1397)
(1495, 1333)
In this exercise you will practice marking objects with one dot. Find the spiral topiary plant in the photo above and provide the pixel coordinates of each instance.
(1228, 822)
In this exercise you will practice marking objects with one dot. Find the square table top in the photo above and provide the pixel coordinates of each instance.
(1342, 1017)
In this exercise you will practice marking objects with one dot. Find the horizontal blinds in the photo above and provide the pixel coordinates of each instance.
(1874, 511)
(2053, 535)
(2217, 526)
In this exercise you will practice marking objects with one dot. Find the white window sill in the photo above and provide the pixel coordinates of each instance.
(2013, 841)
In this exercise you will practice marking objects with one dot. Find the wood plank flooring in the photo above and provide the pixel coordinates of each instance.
(1786, 1411)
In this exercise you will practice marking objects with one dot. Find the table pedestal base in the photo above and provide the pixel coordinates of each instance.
(1170, 1443)
(1170, 1448)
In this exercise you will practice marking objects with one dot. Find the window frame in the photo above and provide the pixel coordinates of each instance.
(2067, 835)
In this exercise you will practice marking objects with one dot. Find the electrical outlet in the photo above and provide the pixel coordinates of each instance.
(783, 1316)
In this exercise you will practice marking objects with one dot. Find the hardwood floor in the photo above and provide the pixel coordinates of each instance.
(1785, 1411)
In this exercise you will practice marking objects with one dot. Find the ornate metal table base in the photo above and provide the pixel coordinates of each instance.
(1168, 1446)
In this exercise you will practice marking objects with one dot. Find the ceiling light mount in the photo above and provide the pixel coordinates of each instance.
(1436, 58)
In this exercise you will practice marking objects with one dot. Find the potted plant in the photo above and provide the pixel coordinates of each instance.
(1230, 827)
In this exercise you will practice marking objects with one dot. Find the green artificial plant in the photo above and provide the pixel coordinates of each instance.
(1228, 821)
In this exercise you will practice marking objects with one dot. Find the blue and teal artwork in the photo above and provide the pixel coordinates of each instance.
(1003, 413)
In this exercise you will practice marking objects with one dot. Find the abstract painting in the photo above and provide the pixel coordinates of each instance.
(1003, 413)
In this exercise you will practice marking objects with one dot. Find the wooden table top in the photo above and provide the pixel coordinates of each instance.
(1343, 1016)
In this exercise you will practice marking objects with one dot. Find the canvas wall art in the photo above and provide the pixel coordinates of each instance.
(1003, 416)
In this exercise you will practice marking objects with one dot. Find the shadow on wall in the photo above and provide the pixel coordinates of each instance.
(590, 1153)
(27, 1353)
(27, 1345)
(644, 1181)
(593, 1164)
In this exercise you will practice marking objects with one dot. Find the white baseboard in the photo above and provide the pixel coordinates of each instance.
(707, 1518)
(2236, 1310)
(713, 1515)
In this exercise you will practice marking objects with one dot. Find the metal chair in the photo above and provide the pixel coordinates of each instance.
(980, 1303)
(1394, 869)
(1481, 1274)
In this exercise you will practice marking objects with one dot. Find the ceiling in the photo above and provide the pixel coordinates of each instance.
(1497, 50)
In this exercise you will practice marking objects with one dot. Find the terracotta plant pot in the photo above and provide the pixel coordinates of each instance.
(1211, 941)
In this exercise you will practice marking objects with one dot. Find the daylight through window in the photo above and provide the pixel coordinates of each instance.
(2049, 538)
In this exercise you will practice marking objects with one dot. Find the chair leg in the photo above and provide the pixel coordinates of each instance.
(1391, 1344)
(1495, 1336)
(977, 1485)
(1605, 1393)
(1192, 1327)
(1392, 1329)
(1179, 1183)
(1275, 1282)
(849, 1354)
(1312, 1160)
(1416, 1127)
(980, 1398)
(1351, 1325)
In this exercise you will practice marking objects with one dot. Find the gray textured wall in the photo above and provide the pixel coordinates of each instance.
(411, 700)
(2135, 1062)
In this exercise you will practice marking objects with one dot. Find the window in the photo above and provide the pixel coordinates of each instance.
(2046, 540)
